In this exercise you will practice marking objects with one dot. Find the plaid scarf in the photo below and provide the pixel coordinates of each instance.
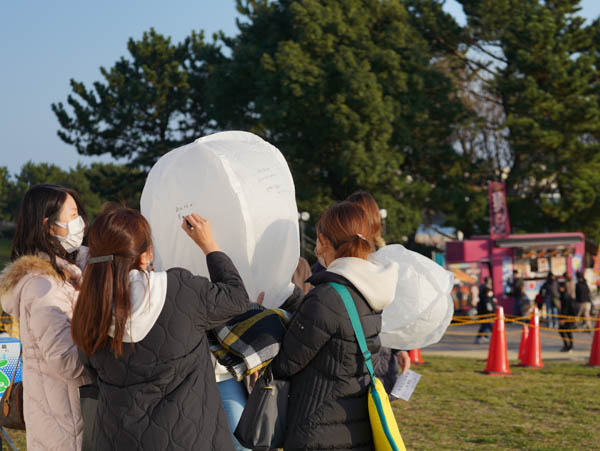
(249, 341)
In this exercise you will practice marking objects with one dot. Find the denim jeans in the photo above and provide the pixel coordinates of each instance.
(233, 395)
(517, 306)
(484, 328)
(551, 310)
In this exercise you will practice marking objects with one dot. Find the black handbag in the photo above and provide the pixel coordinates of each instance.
(263, 421)
(88, 398)
(11, 414)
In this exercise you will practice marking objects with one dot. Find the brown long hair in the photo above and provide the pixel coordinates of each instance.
(367, 202)
(125, 234)
(346, 226)
(32, 234)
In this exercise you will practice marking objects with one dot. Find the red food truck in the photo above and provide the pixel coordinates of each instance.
(497, 255)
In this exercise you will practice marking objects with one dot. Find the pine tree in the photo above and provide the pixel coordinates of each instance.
(146, 105)
(35, 173)
(6, 188)
(347, 90)
(535, 60)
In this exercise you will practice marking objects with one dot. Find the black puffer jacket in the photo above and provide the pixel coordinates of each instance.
(161, 393)
(386, 368)
(329, 381)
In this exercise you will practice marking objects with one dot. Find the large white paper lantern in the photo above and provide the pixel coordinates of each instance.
(243, 185)
(422, 308)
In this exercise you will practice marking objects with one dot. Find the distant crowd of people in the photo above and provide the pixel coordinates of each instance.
(561, 303)
(564, 304)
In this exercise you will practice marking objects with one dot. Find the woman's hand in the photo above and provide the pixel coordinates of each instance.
(403, 361)
(254, 378)
(199, 230)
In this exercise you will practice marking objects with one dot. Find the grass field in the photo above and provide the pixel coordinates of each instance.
(455, 407)
(18, 439)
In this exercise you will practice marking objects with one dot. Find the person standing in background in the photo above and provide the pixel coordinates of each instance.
(458, 298)
(301, 275)
(570, 285)
(485, 306)
(517, 293)
(567, 308)
(551, 295)
(584, 300)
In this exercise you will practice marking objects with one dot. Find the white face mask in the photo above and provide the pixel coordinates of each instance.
(75, 230)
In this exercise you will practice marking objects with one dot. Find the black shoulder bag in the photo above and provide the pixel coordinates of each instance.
(263, 421)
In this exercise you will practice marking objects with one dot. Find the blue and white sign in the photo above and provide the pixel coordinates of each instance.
(10, 349)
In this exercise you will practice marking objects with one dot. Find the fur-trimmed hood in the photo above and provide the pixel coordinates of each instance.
(17, 273)
(29, 264)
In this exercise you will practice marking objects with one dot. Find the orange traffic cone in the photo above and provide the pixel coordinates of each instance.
(523, 345)
(533, 350)
(497, 363)
(595, 352)
(415, 356)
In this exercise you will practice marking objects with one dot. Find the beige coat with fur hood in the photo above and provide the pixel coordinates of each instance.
(31, 290)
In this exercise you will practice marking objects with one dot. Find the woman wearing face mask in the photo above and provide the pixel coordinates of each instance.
(39, 288)
(320, 355)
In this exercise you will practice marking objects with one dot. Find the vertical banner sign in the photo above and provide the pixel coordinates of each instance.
(499, 223)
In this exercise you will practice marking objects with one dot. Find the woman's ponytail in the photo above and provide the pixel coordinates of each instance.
(117, 239)
(346, 226)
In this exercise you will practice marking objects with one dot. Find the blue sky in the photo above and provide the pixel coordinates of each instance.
(44, 44)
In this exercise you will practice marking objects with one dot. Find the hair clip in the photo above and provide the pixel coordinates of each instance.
(361, 236)
(102, 258)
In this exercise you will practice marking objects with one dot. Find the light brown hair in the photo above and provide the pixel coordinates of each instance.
(346, 226)
(367, 202)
